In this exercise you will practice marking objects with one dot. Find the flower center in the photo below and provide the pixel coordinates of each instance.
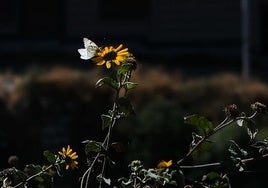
(110, 56)
(68, 160)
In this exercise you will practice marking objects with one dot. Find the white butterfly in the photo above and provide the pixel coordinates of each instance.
(90, 49)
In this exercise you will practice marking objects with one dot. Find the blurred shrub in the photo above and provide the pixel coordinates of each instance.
(58, 106)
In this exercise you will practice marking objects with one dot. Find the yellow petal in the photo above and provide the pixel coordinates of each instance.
(117, 62)
(119, 47)
(108, 65)
(101, 63)
(124, 50)
(123, 54)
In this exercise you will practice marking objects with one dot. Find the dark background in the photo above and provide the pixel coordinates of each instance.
(48, 98)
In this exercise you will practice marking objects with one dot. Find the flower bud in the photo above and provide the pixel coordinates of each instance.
(231, 111)
(259, 107)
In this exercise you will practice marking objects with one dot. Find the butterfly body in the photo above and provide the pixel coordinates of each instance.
(90, 49)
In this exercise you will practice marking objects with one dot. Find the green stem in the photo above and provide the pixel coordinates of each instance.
(88, 172)
(106, 144)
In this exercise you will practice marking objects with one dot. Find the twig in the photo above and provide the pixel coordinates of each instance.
(220, 164)
(33, 176)
(222, 125)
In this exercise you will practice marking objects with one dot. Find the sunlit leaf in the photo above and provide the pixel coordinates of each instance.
(130, 85)
(107, 81)
(200, 122)
(240, 122)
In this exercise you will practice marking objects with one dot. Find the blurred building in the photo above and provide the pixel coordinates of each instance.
(152, 27)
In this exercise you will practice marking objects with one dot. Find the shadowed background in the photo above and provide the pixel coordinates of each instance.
(189, 56)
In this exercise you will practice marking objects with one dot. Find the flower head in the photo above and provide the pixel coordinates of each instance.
(109, 55)
(69, 157)
(164, 164)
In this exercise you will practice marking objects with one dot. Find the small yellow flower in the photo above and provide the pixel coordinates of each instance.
(109, 55)
(164, 164)
(69, 157)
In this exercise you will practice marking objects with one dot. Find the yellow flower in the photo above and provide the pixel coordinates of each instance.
(164, 164)
(69, 157)
(110, 55)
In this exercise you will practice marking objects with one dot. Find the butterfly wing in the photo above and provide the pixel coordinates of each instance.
(84, 54)
(89, 51)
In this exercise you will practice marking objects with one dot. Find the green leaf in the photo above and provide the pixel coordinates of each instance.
(130, 85)
(215, 180)
(33, 169)
(93, 146)
(125, 106)
(262, 146)
(100, 178)
(240, 122)
(251, 129)
(210, 176)
(51, 157)
(201, 122)
(205, 146)
(125, 67)
(106, 121)
(107, 81)
(20, 175)
(236, 151)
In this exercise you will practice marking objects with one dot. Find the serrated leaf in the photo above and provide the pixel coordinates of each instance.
(130, 85)
(106, 121)
(201, 122)
(51, 157)
(107, 81)
(93, 146)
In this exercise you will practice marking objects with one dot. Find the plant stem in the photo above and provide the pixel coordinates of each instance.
(107, 141)
(88, 172)
(219, 164)
(222, 125)
(33, 176)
